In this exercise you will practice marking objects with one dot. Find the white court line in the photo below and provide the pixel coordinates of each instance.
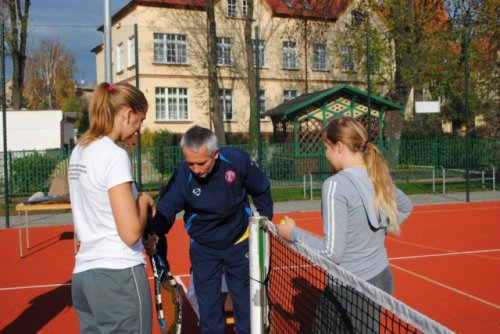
(56, 285)
(455, 210)
(445, 254)
(35, 286)
(448, 287)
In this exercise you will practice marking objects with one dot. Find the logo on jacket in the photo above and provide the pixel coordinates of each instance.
(197, 191)
(230, 176)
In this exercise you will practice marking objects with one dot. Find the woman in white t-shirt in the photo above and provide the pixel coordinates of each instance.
(110, 288)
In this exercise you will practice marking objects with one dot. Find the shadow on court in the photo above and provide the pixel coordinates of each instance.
(41, 310)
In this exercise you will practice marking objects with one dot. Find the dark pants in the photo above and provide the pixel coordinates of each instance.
(208, 265)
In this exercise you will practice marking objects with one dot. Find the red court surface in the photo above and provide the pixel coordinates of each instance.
(446, 264)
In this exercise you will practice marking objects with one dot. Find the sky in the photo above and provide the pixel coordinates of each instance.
(74, 23)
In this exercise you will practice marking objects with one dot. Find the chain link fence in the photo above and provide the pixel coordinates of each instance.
(169, 64)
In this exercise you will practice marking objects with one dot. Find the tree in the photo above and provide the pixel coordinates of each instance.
(17, 31)
(213, 85)
(478, 19)
(251, 74)
(49, 73)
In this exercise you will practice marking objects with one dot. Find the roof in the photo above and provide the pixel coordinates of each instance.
(320, 98)
(313, 9)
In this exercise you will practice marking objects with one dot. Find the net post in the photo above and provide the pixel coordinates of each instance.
(257, 275)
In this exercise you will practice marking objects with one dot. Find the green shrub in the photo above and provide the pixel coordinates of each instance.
(166, 154)
(147, 138)
(32, 172)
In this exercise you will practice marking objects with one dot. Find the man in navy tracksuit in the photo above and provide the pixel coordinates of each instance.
(212, 187)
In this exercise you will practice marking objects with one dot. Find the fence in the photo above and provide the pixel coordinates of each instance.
(32, 171)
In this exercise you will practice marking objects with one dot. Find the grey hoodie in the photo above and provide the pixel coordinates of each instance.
(353, 234)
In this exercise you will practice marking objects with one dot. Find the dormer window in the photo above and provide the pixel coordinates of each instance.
(237, 8)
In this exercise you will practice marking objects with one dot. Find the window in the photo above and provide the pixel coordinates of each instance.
(170, 48)
(244, 8)
(119, 57)
(226, 100)
(319, 56)
(131, 51)
(262, 102)
(357, 17)
(290, 55)
(262, 50)
(171, 104)
(289, 95)
(224, 51)
(232, 8)
(348, 59)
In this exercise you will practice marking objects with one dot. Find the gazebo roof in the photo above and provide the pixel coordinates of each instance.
(337, 100)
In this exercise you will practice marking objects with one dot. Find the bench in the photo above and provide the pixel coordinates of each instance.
(26, 208)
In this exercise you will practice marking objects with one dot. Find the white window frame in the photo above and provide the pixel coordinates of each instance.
(171, 104)
(226, 102)
(262, 102)
(232, 8)
(119, 57)
(320, 56)
(224, 51)
(290, 55)
(131, 51)
(170, 48)
(289, 94)
(237, 8)
(244, 8)
(348, 64)
(262, 53)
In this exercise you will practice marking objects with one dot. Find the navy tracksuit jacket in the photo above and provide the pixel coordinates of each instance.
(216, 208)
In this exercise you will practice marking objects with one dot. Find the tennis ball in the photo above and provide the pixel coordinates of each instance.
(283, 221)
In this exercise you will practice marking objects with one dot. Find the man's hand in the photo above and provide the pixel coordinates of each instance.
(150, 242)
(145, 200)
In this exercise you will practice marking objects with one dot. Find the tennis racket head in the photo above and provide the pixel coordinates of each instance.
(167, 297)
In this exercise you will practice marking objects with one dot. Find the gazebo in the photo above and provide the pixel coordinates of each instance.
(301, 120)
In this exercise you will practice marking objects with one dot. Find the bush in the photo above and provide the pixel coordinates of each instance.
(166, 154)
(32, 172)
(147, 138)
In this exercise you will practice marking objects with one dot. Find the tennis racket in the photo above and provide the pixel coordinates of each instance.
(167, 297)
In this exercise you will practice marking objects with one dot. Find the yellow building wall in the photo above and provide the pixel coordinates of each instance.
(274, 79)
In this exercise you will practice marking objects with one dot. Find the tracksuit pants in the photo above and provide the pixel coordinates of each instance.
(208, 264)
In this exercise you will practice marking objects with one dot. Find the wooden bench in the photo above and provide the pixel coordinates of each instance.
(26, 208)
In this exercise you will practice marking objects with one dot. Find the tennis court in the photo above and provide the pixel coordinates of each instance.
(446, 265)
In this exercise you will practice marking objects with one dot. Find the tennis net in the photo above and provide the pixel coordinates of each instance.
(299, 291)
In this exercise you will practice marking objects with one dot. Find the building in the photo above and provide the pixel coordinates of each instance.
(161, 45)
(38, 130)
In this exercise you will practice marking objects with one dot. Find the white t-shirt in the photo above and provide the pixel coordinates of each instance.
(93, 170)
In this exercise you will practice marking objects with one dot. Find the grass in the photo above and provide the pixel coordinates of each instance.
(297, 193)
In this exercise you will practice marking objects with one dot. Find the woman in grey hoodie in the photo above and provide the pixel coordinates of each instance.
(359, 205)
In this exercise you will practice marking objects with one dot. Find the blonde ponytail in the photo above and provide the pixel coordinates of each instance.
(385, 197)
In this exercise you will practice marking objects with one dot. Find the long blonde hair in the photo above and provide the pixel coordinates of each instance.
(353, 135)
(107, 100)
